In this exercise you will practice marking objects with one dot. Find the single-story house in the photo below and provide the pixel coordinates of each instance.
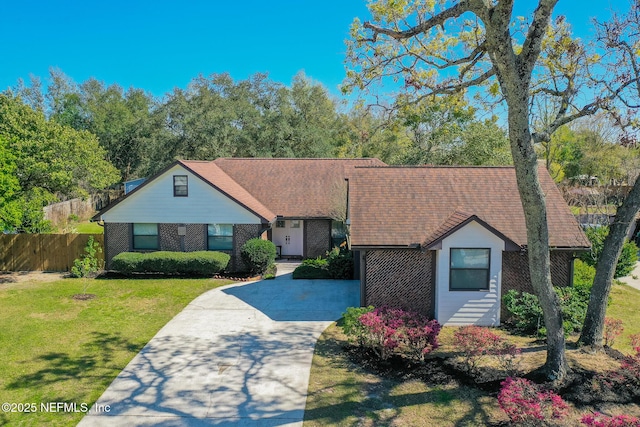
(450, 241)
(299, 204)
(445, 241)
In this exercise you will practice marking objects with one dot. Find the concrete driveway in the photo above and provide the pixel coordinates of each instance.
(236, 356)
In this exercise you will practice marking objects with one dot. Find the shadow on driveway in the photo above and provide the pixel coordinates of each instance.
(237, 356)
(286, 300)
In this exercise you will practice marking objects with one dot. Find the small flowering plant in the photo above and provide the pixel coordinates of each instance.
(474, 342)
(525, 403)
(599, 420)
(389, 331)
(612, 329)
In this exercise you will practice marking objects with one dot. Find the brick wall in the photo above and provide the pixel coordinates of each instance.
(400, 278)
(196, 238)
(117, 239)
(242, 233)
(168, 237)
(317, 237)
(515, 272)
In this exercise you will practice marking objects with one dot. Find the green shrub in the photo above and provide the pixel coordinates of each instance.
(628, 257)
(526, 313)
(583, 275)
(272, 269)
(315, 262)
(203, 263)
(310, 272)
(525, 310)
(340, 264)
(351, 325)
(88, 263)
(258, 254)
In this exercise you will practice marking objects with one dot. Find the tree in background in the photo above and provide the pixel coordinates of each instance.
(120, 120)
(45, 162)
(619, 37)
(590, 151)
(219, 117)
(445, 131)
(10, 203)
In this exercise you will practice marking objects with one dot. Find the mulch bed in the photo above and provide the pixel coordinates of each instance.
(582, 387)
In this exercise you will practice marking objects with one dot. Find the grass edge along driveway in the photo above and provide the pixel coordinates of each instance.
(54, 348)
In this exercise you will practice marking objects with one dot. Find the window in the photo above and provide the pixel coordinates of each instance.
(220, 237)
(280, 224)
(180, 186)
(338, 233)
(145, 237)
(295, 223)
(469, 269)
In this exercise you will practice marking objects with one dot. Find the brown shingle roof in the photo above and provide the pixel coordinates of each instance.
(296, 188)
(217, 178)
(400, 206)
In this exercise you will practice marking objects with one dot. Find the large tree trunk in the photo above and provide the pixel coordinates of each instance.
(593, 328)
(534, 206)
(514, 75)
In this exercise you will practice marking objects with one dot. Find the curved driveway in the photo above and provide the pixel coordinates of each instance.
(236, 356)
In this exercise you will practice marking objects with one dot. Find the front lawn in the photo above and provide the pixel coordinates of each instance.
(346, 389)
(54, 348)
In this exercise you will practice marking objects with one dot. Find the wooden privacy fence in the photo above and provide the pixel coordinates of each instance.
(44, 252)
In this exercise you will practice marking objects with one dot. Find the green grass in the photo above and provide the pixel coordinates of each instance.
(341, 393)
(625, 304)
(88, 228)
(57, 349)
(608, 209)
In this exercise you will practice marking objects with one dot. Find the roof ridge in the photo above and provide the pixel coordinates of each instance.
(434, 167)
(297, 158)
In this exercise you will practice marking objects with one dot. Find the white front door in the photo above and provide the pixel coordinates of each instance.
(288, 236)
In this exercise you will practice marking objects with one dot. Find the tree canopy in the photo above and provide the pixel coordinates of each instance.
(530, 65)
(43, 162)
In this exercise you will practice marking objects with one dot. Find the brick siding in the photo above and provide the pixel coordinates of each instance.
(400, 278)
(168, 237)
(196, 238)
(117, 239)
(317, 237)
(242, 233)
(515, 273)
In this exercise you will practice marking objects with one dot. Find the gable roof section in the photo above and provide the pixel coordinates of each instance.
(455, 222)
(213, 176)
(399, 206)
(217, 178)
(296, 188)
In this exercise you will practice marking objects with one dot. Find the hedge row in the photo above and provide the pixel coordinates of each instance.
(204, 263)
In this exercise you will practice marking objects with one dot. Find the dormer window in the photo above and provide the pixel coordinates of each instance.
(180, 186)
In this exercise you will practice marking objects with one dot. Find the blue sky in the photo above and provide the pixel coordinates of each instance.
(158, 45)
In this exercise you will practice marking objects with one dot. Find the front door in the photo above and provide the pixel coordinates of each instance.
(288, 237)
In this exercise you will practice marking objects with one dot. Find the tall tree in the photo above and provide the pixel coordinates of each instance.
(443, 47)
(49, 161)
(10, 206)
(445, 131)
(620, 38)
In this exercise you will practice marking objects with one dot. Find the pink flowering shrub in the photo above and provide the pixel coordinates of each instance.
(599, 420)
(612, 330)
(392, 330)
(474, 342)
(630, 365)
(525, 403)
